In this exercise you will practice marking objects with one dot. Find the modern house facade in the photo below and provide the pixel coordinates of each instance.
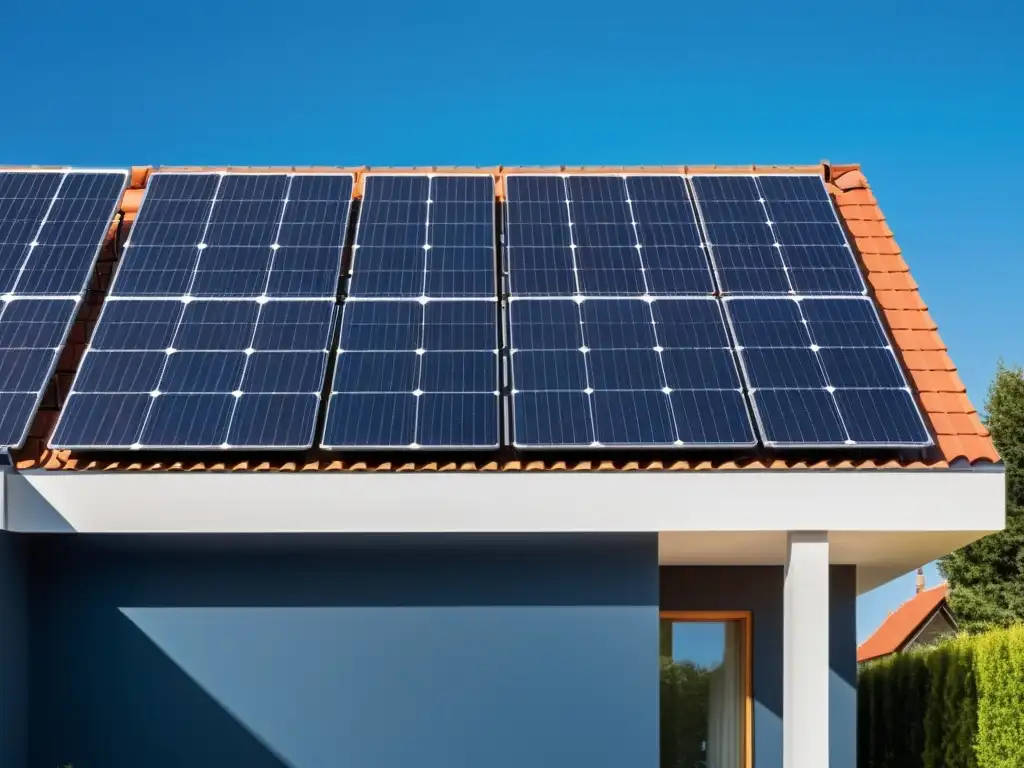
(445, 609)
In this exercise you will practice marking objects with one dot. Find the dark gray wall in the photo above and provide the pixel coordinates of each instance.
(759, 590)
(13, 651)
(310, 652)
(843, 659)
(938, 626)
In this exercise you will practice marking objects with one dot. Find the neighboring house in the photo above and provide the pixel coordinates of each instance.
(920, 621)
(389, 608)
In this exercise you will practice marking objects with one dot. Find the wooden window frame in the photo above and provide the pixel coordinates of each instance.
(746, 618)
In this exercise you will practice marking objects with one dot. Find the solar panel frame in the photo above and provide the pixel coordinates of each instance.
(261, 301)
(89, 269)
(357, 244)
(847, 444)
(580, 295)
(423, 299)
(128, 245)
(643, 268)
(711, 247)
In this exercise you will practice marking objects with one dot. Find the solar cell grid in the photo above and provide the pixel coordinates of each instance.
(165, 373)
(602, 235)
(216, 330)
(821, 372)
(240, 235)
(412, 374)
(775, 234)
(32, 333)
(624, 372)
(52, 226)
(425, 236)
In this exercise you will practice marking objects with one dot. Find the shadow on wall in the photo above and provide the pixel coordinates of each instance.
(130, 703)
(281, 653)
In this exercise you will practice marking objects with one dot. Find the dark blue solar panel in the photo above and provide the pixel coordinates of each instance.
(821, 373)
(775, 235)
(167, 373)
(32, 334)
(624, 372)
(237, 235)
(413, 374)
(221, 314)
(52, 225)
(425, 236)
(596, 235)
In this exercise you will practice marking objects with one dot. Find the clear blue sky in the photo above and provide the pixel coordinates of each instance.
(928, 99)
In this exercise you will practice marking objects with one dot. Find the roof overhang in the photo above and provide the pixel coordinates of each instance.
(885, 521)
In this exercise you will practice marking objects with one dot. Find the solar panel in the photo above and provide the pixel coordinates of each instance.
(166, 373)
(775, 234)
(425, 236)
(52, 226)
(32, 334)
(602, 235)
(614, 337)
(217, 327)
(417, 362)
(821, 372)
(625, 373)
(237, 235)
(413, 374)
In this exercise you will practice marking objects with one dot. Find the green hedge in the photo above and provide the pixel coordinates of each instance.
(959, 704)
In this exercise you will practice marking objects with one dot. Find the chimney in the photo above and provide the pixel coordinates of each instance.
(920, 580)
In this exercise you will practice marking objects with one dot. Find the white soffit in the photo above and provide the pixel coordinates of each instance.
(736, 501)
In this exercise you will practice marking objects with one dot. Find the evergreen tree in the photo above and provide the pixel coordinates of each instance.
(986, 577)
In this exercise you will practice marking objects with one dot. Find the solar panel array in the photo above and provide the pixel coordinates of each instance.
(417, 362)
(218, 324)
(52, 226)
(641, 310)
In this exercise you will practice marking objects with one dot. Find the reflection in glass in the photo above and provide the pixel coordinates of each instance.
(703, 694)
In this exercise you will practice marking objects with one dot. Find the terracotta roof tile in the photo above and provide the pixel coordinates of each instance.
(895, 280)
(905, 300)
(880, 245)
(879, 263)
(902, 624)
(911, 340)
(960, 436)
(856, 197)
(910, 320)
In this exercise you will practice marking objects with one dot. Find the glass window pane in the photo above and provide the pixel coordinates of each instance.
(703, 694)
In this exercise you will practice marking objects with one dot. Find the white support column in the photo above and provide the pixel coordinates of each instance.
(805, 720)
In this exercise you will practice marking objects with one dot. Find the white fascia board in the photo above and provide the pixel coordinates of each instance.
(513, 502)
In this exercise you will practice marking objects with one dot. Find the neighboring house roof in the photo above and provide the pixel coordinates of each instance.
(903, 624)
(959, 434)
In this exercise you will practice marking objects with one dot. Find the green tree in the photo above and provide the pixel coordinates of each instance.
(986, 577)
(685, 694)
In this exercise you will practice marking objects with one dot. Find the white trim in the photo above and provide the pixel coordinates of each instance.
(805, 664)
(895, 503)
